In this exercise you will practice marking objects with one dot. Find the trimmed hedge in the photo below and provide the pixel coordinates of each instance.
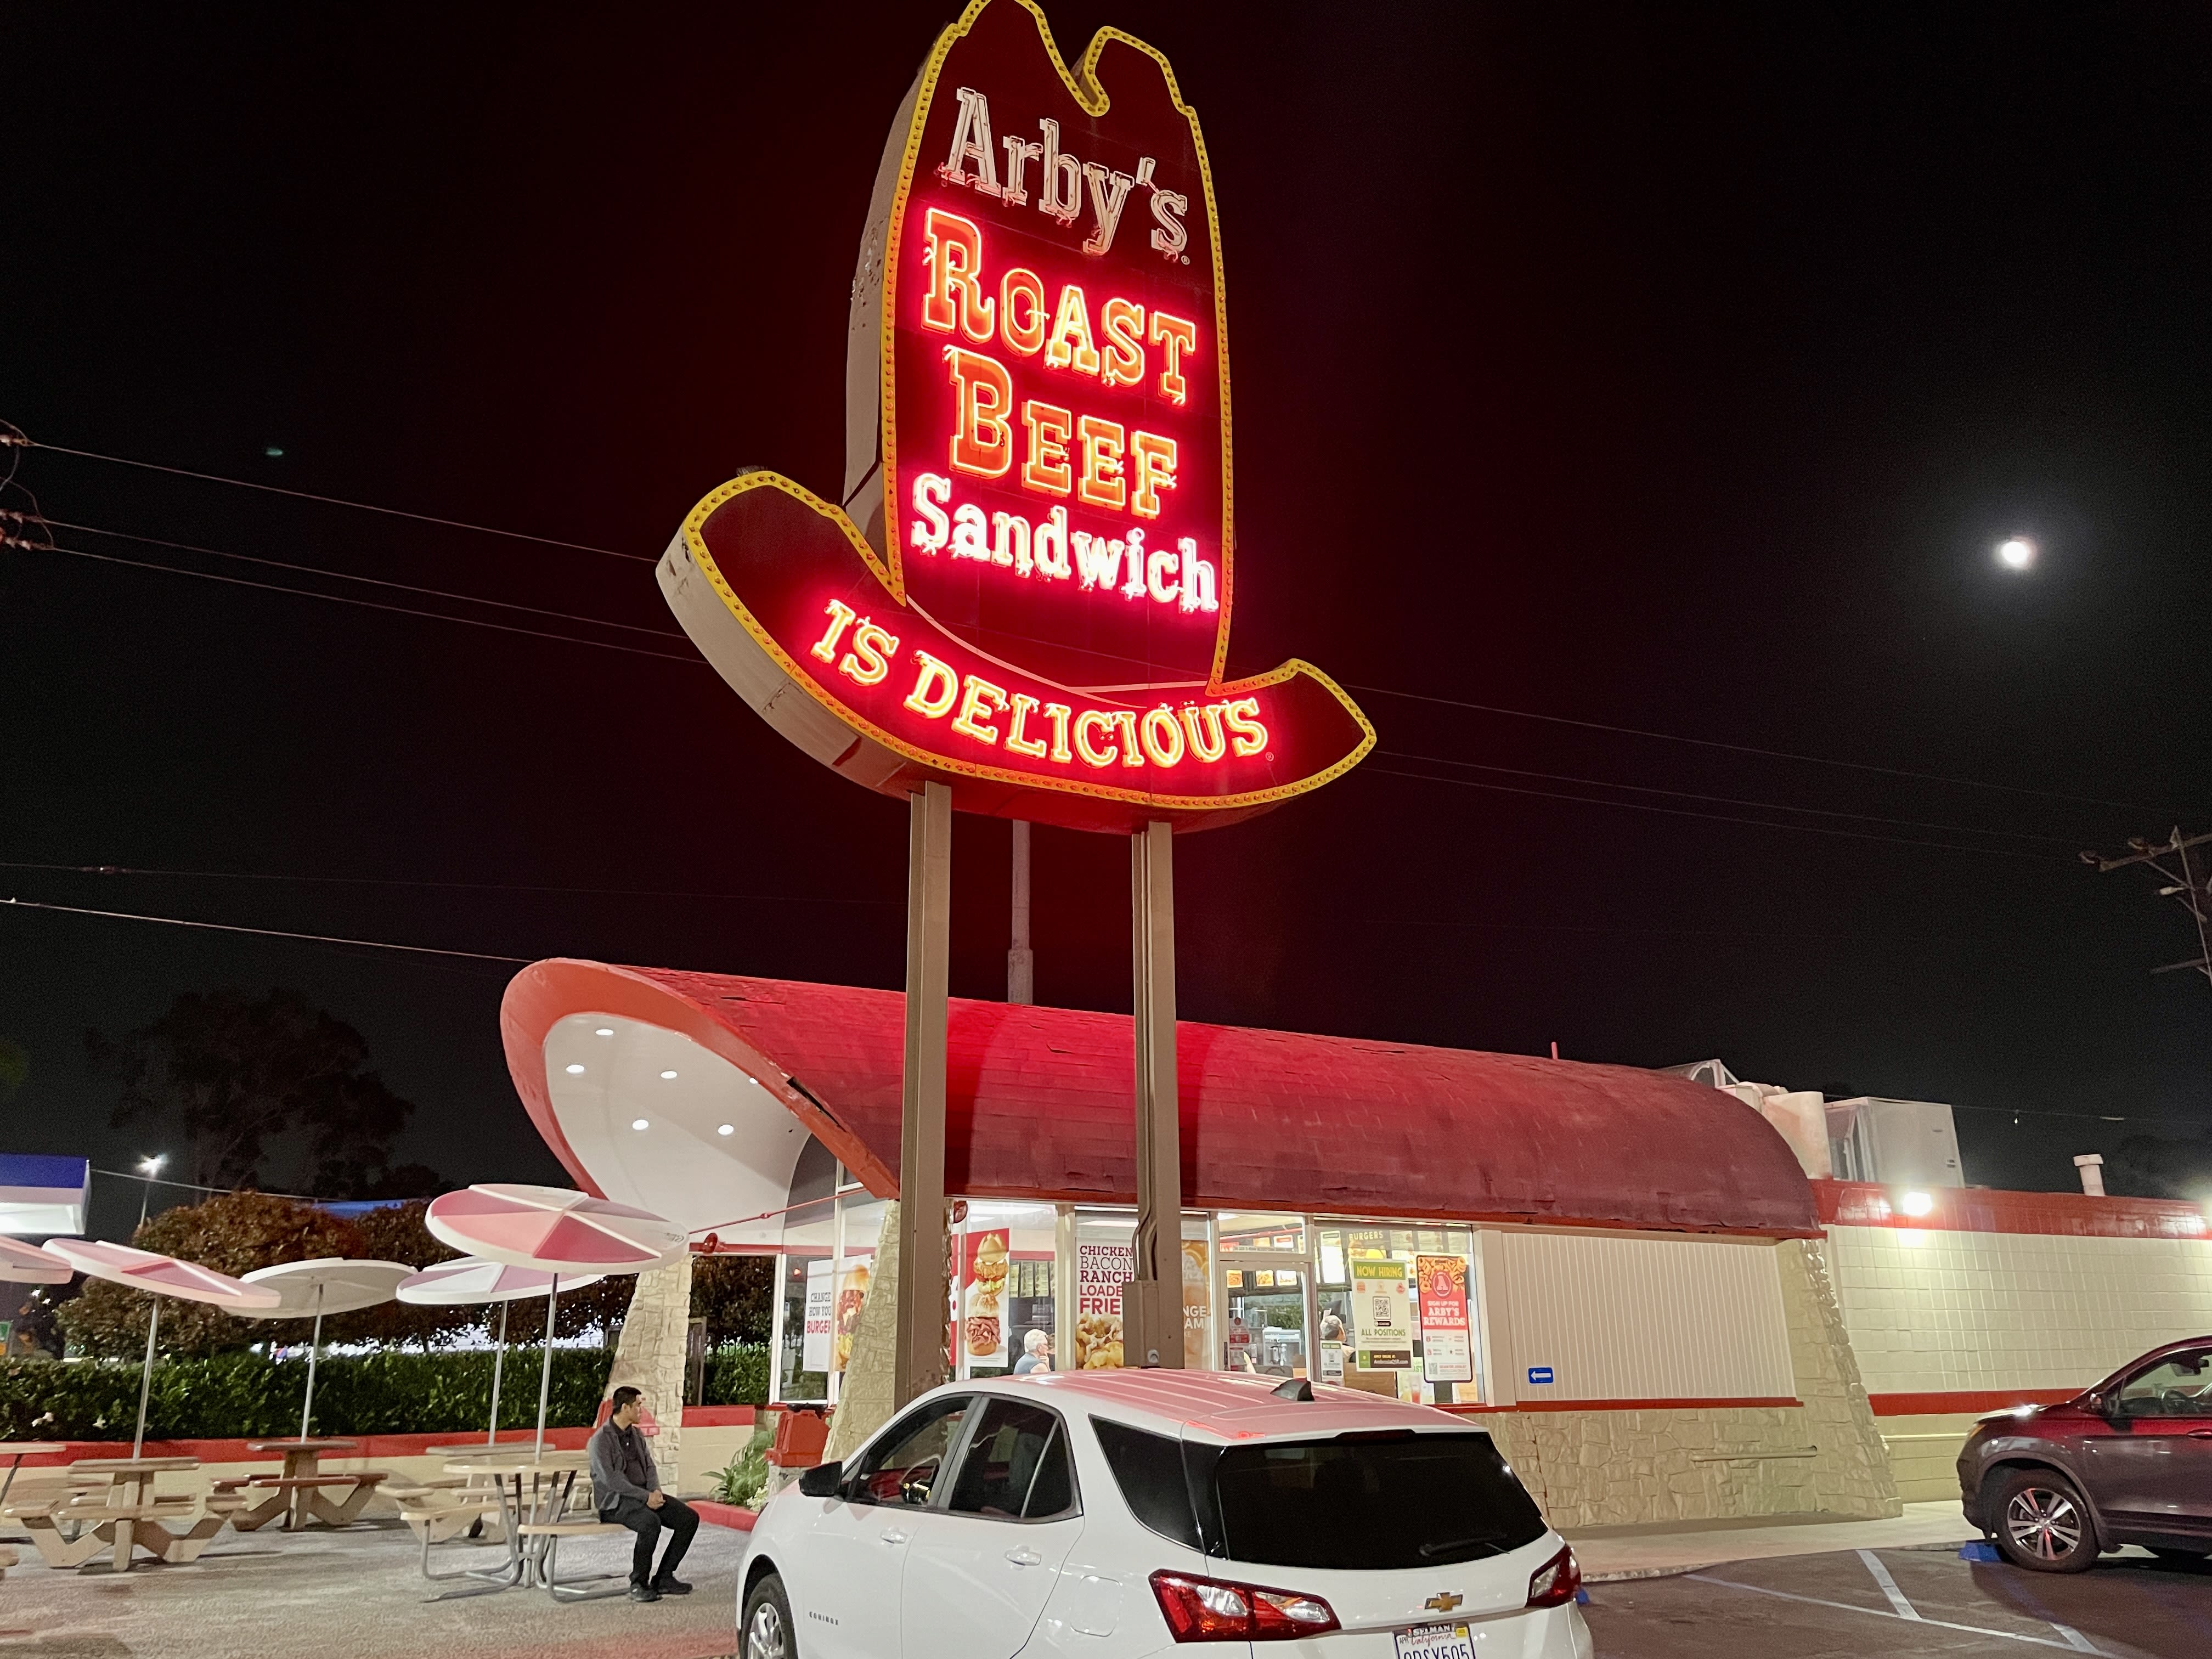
(247, 1396)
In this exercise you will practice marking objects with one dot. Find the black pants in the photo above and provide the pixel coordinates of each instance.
(679, 1517)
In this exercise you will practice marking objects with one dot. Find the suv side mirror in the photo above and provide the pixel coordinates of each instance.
(822, 1480)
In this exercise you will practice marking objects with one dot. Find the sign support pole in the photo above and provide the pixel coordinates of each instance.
(1159, 1340)
(923, 1309)
(1021, 961)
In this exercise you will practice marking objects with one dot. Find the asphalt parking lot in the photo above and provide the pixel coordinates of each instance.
(1858, 1603)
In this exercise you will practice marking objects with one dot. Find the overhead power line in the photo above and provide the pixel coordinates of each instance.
(265, 932)
(1719, 818)
(29, 546)
(1747, 749)
(13, 437)
(1724, 800)
(471, 886)
(371, 581)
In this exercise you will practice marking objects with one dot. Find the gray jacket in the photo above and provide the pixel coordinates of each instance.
(608, 1480)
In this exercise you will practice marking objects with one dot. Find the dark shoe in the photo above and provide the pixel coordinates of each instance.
(643, 1593)
(668, 1586)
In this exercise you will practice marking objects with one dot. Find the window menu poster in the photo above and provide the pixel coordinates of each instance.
(985, 1259)
(1382, 1316)
(814, 1346)
(1447, 1344)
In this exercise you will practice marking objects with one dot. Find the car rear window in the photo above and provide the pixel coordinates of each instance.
(1369, 1504)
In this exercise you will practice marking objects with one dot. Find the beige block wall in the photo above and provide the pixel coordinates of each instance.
(1940, 1311)
(1823, 1455)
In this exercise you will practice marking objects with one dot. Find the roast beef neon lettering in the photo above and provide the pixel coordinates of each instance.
(986, 715)
(1118, 468)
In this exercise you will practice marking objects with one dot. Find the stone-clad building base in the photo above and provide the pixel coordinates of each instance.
(1692, 1463)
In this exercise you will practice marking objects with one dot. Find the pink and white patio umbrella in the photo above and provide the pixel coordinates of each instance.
(557, 1232)
(325, 1284)
(468, 1280)
(27, 1264)
(162, 1275)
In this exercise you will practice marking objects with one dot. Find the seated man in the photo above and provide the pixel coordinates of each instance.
(626, 1487)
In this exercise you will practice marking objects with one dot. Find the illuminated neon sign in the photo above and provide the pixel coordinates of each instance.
(1024, 588)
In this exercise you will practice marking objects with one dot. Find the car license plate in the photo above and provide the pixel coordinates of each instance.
(1436, 1642)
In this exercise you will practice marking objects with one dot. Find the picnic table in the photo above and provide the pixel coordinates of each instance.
(125, 1516)
(299, 1494)
(534, 1491)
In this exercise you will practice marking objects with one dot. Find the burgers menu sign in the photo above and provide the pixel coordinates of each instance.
(1026, 586)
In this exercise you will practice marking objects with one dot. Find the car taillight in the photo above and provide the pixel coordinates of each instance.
(1554, 1584)
(1211, 1610)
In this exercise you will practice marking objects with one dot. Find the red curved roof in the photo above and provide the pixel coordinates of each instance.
(1039, 1105)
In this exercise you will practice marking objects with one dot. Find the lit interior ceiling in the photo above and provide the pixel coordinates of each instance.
(660, 1122)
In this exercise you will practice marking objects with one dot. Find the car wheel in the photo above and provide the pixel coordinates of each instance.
(765, 1632)
(2043, 1524)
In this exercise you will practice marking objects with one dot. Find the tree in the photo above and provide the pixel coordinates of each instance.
(238, 1074)
(396, 1232)
(732, 1294)
(234, 1233)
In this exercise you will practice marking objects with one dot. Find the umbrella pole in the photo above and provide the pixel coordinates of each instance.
(498, 1361)
(546, 1377)
(314, 1353)
(146, 1381)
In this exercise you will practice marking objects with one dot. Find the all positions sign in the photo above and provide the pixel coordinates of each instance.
(1026, 589)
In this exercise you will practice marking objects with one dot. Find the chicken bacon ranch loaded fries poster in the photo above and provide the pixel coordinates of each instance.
(1101, 1270)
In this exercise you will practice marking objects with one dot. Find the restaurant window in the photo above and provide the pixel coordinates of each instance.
(830, 1232)
(1397, 1309)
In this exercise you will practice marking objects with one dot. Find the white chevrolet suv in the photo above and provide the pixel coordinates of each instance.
(1118, 1514)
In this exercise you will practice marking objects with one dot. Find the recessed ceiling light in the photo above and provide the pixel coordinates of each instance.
(604, 1030)
(575, 1070)
(667, 1075)
(726, 1129)
(637, 1123)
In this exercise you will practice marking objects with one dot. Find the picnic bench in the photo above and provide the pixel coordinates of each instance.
(118, 1518)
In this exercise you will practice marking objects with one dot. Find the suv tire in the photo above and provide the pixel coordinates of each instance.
(2042, 1524)
(764, 1630)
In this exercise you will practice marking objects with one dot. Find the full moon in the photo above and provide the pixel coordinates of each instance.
(2016, 553)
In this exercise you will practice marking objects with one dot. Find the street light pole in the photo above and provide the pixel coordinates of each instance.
(150, 1167)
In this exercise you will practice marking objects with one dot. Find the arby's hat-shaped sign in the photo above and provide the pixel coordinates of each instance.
(1026, 589)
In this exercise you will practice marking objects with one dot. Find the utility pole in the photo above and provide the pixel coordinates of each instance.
(2189, 882)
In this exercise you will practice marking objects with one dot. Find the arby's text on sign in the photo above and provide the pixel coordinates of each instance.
(1026, 589)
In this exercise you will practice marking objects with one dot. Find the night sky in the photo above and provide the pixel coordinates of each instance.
(1662, 369)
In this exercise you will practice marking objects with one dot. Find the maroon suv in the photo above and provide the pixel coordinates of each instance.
(2128, 1462)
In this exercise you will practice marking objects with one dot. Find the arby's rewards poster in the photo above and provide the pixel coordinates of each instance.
(1025, 588)
(1446, 1340)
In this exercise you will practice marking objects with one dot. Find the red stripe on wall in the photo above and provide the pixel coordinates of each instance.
(1979, 1402)
(367, 1445)
(1984, 1210)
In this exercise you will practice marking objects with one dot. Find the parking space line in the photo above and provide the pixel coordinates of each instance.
(2074, 1639)
(1883, 1613)
(1905, 1608)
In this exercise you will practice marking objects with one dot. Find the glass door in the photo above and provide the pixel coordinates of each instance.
(1266, 1299)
